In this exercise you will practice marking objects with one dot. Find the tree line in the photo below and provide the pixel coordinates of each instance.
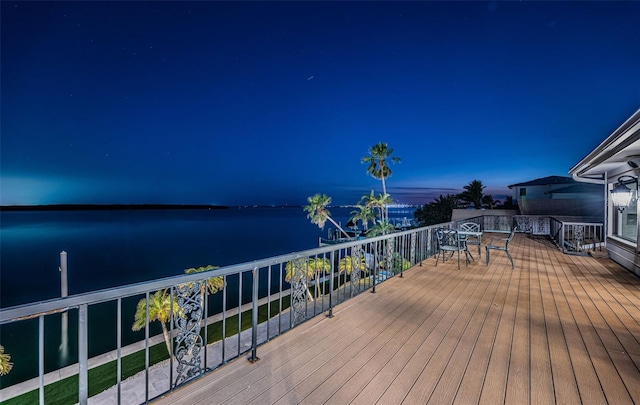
(441, 209)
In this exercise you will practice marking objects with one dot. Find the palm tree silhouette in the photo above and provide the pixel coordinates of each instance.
(378, 166)
(473, 193)
(364, 214)
(318, 212)
(378, 203)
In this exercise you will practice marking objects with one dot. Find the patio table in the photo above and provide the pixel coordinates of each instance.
(477, 234)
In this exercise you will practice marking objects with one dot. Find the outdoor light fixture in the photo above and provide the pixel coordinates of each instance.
(621, 195)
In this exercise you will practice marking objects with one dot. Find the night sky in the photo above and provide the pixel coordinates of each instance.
(266, 103)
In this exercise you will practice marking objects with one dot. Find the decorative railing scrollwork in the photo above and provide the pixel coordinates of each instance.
(188, 343)
(299, 286)
(356, 260)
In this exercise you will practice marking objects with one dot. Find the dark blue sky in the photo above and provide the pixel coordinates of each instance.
(270, 102)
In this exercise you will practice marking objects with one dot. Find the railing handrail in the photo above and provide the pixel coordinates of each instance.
(30, 310)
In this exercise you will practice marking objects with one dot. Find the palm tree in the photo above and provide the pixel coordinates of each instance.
(489, 202)
(437, 211)
(381, 228)
(377, 159)
(318, 212)
(160, 309)
(297, 269)
(5, 364)
(363, 214)
(349, 263)
(319, 265)
(213, 284)
(378, 203)
(473, 193)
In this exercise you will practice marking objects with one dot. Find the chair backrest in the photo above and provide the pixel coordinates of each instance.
(446, 236)
(470, 226)
(513, 231)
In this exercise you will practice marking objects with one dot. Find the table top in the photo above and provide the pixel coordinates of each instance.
(470, 233)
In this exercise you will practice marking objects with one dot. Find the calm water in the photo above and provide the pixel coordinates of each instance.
(114, 248)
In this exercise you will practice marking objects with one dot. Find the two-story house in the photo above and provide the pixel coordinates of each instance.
(615, 163)
(558, 195)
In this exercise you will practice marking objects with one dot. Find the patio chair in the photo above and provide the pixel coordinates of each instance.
(449, 243)
(502, 245)
(472, 240)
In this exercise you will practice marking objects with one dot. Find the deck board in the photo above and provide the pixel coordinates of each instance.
(557, 329)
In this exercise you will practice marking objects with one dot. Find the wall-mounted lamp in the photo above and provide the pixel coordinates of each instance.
(621, 195)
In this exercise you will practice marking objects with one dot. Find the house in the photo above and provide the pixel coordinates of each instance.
(559, 195)
(615, 163)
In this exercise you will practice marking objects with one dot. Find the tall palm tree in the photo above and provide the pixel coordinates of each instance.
(364, 214)
(5, 364)
(318, 212)
(160, 309)
(473, 193)
(378, 160)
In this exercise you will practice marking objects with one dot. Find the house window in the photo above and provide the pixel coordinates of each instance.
(625, 223)
(523, 192)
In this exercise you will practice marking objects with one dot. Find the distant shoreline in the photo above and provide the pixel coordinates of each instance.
(111, 207)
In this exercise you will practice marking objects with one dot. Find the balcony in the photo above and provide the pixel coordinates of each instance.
(558, 329)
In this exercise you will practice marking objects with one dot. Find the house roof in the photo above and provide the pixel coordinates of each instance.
(577, 188)
(544, 181)
(617, 155)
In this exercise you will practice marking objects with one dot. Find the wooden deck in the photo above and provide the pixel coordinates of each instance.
(558, 329)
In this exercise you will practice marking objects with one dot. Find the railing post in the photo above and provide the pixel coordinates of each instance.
(41, 358)
(64, 289)
(119, 352)
(333, 265)
(254, 318)
(83, 334)
(375, 266)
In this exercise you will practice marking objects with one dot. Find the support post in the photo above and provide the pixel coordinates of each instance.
(83, 354)
(64, 322)
(64, 290)
(41, 359)
(254, 318)
(333, 265)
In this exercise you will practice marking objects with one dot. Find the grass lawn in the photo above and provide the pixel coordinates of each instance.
(102, 377)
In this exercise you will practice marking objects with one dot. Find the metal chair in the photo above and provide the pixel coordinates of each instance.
(449, 242)
(504, 246)
(472, 240)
